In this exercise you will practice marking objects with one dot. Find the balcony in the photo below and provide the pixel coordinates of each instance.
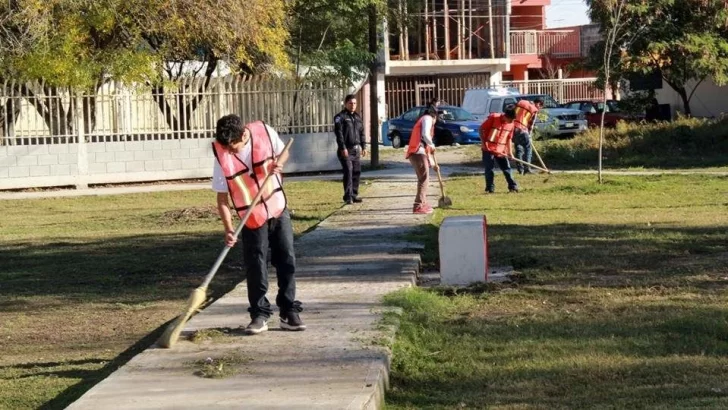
(553, 43)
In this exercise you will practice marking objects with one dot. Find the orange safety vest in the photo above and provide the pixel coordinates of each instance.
(244, 184)
(416, 137)
(525, 114)
(495, 134)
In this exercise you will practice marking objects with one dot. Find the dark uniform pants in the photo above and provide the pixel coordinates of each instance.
(351, 166)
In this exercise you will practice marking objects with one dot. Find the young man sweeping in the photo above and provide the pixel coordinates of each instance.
(420, 147)
(495, 136)
(245, 154)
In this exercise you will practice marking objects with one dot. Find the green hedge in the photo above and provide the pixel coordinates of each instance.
(686, 142)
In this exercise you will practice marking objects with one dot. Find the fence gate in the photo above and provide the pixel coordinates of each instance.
(404, 92)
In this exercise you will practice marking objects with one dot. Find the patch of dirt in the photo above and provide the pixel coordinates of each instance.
(194, 213)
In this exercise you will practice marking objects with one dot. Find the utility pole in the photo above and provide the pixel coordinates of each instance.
(373, 94)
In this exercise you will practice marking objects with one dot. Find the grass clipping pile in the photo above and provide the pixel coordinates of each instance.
(194, 213)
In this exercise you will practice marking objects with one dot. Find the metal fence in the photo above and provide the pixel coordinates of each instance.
(563, 90)
(36, 114)
(405, 92)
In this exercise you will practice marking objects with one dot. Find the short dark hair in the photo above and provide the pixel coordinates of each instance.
(538, 100)
(510, 111)
(229, 130)
(349, 97)
(431, 111)
(434, 101)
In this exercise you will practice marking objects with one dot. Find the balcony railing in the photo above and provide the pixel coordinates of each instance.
(556, 43)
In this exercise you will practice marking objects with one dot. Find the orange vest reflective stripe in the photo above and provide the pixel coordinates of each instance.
(497, 137)
(243, 185)
(525, 114)
(416, 137)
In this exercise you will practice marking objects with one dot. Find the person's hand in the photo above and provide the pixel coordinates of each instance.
(344, 153)
(230, 239)
(276, 167)
(363, 153)
(436, 167)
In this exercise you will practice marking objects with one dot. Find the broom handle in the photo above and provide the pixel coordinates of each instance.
(244, 219)
(543, 164)
(439, 177)
(528, 163)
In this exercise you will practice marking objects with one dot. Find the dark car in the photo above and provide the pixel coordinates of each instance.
(593, 111)
(454, 125)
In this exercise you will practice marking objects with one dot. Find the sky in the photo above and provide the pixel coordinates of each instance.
(564, 13)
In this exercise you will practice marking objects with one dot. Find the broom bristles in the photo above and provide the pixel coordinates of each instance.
(172, 332)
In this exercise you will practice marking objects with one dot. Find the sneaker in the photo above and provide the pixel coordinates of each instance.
(422, 209)
(291, 321)
(349, 202)
(513, 190)
(489, 191)
(358, 199)
(257, 325)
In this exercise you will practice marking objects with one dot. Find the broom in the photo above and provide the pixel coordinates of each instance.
(198, 296)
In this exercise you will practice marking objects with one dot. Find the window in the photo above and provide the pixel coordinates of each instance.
(509, 101)
(496, 105)
(455, 114)
(412, 115)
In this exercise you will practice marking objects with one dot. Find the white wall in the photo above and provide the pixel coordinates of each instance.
(32, 166)
(710, 100)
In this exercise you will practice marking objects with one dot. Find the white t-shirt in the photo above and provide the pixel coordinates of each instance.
(425, 137)
(219, 184)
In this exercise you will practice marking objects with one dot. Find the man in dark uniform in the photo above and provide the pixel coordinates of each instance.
(351, 146)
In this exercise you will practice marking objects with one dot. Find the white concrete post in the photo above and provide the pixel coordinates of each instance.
(463, 250)
(82, 176)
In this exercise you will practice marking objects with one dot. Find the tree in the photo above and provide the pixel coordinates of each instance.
(686, 40)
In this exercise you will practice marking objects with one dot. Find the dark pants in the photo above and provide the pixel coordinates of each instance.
(489, 161)
(524, 149)
(351, 166)
(278, 234)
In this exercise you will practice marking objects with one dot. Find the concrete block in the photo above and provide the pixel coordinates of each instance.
(115, 167)
(48, 160)
(60, 170)
(28, 160)
(97, 168)
(161, 154)
(19, 172)
(135, 166)
(152, 145)
(4, 172)
(463, 250)
(191, 163)
(8, 161)
(73, 148)
(200, 153)
(17, 151)
(58, 149)
(189, 143)
(74, 168)
(123, 156)
(93, 147)
(170, 144)
(204, 163)
(70, 158)
(102, 157)
(154, 165)
(38, 150)
(40, 171)
(172, 164)
(114, 146)
(143, 155)
(133, 146)
(181, 153)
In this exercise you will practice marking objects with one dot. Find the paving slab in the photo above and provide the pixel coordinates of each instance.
(341, 361)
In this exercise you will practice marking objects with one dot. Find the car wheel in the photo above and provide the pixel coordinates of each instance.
(396, 140)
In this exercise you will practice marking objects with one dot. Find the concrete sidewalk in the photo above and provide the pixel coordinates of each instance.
(345, 266)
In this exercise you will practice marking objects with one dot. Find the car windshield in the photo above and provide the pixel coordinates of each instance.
(613, 105)
(454, 114)
(548, 101)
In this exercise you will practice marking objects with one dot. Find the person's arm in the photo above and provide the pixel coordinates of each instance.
(339, 132)
(226, 217)
(484, 127)
(427, 131)
(362, 137)
(510, 143)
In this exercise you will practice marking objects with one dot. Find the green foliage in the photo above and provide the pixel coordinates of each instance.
(684, 142)
(684, 40)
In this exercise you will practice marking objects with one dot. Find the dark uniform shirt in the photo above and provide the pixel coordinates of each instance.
(349, 130)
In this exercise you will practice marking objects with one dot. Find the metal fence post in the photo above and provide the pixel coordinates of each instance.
(82, 176)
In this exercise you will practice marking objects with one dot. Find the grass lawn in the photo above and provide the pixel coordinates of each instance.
(87, 282)
(621, 300)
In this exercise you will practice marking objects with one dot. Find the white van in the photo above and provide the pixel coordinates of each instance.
(552, 120)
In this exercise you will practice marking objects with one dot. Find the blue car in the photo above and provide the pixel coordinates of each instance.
(454, 125)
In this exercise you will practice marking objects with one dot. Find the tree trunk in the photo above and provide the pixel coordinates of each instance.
(685, 99)
(373, 97)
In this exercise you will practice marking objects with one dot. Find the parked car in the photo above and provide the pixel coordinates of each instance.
(593, 111)
(552, 121)
(454, 125)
